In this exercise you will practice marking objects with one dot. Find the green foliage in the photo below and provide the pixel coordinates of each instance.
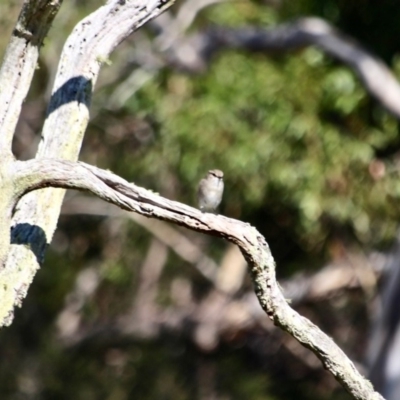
(296, 132)
(290, 132)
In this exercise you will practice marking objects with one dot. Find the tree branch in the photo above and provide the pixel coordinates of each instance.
(34, 222)
(375, 75)
(20, 62)
(35, 174)
(377, 78)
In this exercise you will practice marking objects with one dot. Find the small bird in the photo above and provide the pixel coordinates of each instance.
(209, 193)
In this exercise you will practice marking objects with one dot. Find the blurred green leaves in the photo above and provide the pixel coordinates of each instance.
(293, 131)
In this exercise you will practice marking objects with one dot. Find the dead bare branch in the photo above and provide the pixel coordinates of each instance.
(20, 62)
(194, 52)
(36, 174)
(85, 51)
(375, 75)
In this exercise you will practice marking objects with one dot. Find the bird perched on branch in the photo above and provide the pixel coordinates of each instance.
(209, 193)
